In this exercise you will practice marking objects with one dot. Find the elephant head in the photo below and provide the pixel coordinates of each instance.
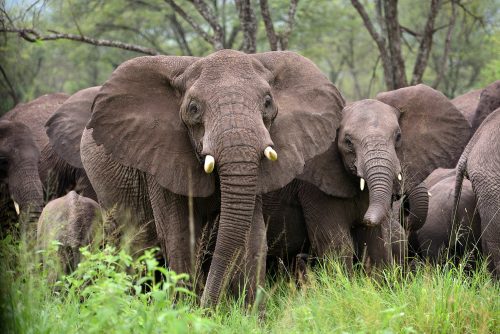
(389, 145)
(19, 169)
(489, 100)
(254, 120)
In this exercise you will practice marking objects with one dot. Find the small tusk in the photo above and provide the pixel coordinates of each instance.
(270, 153)
(361, 184)
(17, 207)
(429, 193)
(400, 177)
(209, 164)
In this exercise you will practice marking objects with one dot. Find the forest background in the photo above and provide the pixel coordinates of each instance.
(364, 47)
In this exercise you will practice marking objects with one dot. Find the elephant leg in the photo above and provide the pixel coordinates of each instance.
(328, 221)
(122, 193)
(374, 245)
(490, 235)
(177, 241)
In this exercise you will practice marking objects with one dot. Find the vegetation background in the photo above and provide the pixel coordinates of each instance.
(464, 49)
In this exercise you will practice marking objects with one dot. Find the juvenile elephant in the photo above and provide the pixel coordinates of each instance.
(480, 162)
(385, 147)
(161, 126)
(443, 233)
(488, 102)
(467, 104)
(20, 184)
(70, 220)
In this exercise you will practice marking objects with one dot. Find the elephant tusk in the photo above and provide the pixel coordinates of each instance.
(361, 184)
(16, 206)
(209, 164)
(400, 177)
(429, 193)
(270, 153)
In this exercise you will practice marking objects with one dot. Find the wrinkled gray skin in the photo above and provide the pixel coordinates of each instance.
(410, 131)
(157, 118)
(71, 220)
(467, 104)
(57, 176)
(480, 162)
(489, 100)
(19, 177)
(442, 237)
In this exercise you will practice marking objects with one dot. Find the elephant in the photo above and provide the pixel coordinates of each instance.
(488, 102)
(442, 233)
(57, 176)
(384, 149)
(467, 104)
(480, 162)
(70, 220)
(165, 129)
(64, 129)
(19, 179)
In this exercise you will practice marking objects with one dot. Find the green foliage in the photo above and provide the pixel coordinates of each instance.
(110, 292)
(331, 33)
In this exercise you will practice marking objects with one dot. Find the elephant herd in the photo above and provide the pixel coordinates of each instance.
(230, 160)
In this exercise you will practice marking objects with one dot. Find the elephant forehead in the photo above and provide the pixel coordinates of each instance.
(368, 113)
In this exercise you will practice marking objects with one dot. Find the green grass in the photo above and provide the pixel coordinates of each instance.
(104, 296)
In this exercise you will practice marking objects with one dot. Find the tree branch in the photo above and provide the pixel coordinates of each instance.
(208, 15)
(249, 24)
(268, 23)
(191, 22)
(425, 44)
(379, 40)
(447, 45)
(12, 91)
(33, 36)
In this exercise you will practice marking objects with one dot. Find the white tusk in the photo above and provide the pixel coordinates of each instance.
(17, 207)
(400, 177)
(429, 193)
(361, 184)
(209, 164)
(270, 153)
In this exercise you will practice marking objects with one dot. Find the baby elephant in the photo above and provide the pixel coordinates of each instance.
(441, 231)
(71, 221)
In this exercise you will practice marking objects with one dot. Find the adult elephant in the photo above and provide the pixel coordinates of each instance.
(480, 161)
(385, 148)
(445, 235)
(20, 184)
(161, 125)
(64, 129)
(467, 104)
(488, 102)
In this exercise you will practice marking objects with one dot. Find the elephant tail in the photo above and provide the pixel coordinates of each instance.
(461, 171)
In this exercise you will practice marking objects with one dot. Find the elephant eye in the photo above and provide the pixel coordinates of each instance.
(348, 143)
(398, 137)
(193, 107)
(268, 101)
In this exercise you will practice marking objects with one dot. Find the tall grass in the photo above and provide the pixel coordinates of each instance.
(110, 292)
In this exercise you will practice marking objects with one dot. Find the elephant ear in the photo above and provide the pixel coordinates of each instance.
(309, 112)
(65, 126)
(136, 118)
(434, 132)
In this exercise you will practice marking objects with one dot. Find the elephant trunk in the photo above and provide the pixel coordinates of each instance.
(418, 200)
(238, 182)
(26, 190)
(379, 170)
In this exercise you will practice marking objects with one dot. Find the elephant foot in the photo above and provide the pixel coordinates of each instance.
(302, 261)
